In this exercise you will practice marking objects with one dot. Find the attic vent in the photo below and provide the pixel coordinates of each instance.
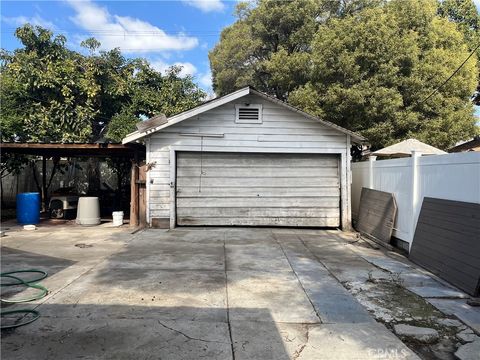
(248, 114)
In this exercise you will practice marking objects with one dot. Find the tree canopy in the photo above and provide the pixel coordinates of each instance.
(268, 46)
(53, 94)
(364, 65)
(464, 13)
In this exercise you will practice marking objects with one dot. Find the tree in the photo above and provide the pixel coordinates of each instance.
(365, 65)
(465, 14)
(12, 109)
(373, 71)
(48, 93)
(269, 44)
(153, 93)
(53, 94)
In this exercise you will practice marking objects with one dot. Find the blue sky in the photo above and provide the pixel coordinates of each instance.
(164, 32)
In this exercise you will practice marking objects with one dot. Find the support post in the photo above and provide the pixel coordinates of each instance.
(347, 222)
(414, 195)
(134, 192)
(371, 166)
(173, 189)
(149, 182)
(44, 183)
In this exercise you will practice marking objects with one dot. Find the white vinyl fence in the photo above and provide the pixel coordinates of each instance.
(450, 176)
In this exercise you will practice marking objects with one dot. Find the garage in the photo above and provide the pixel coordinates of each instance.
(246, 159)
(300, 190)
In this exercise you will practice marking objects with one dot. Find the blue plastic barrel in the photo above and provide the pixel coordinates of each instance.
(28, 208)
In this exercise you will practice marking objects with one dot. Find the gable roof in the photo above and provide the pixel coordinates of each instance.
(472, 145)
(211, 104)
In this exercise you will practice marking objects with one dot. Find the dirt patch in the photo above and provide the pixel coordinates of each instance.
(390, 303)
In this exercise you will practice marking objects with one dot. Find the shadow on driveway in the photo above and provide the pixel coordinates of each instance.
(192, 294)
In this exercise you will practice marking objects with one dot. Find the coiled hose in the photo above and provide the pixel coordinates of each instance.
(27, 283)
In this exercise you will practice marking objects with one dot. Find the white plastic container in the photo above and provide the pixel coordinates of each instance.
(117, 218)
(88, 211)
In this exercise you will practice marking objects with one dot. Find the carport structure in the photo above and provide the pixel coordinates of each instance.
(135, 153)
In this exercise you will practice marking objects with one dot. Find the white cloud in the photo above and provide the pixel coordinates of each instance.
(477, 3)
(187, 68)
(34, 20)
(127, 33)
(205, 80)
(206, 5)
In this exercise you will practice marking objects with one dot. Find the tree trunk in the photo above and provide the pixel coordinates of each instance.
(44, 184)
(93, 173)
(1, 194)
(119, 177)
(34, 174)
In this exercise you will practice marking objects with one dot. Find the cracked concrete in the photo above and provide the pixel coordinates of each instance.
(214, 293)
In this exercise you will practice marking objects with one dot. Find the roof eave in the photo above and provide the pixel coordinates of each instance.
(354, 136)
(136, 135)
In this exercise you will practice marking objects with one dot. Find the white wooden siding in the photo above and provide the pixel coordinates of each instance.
(282, 131)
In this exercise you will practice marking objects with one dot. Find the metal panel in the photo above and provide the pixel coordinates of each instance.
(258, 189)
(376, 215)
(447, 242)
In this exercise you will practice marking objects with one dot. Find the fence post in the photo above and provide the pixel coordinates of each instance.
(371, 164)
(414, 194)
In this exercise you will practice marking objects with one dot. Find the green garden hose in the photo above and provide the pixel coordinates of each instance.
(27, 283)
(43, 290)
(21, 281)
(20, 321)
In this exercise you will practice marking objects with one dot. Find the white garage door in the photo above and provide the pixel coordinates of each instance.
(258, 189)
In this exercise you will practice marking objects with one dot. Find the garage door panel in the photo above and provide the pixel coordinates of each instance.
(276, 221)
(230, 172)
(193, 191)
(255, 182)
(280, 202)
(258, 160)
(257, 189)
(247, 212)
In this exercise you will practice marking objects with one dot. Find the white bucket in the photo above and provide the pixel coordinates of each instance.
(117, 218)
(88, 211)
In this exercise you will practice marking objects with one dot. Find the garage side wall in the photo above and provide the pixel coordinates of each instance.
(281, 131)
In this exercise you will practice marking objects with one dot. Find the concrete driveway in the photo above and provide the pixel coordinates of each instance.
(194, 293)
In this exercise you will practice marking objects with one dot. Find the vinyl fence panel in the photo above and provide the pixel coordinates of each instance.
(450, 177)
